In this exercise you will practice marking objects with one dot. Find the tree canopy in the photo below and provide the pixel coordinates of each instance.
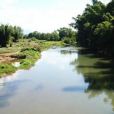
(65, 34)
(96, 27)
(9, 34)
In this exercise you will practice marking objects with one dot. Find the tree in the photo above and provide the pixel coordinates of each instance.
(67, 35)
(95, 27)
(94, 1)
(17, 33)
(110, 8)
(5, 34)
(9, 34)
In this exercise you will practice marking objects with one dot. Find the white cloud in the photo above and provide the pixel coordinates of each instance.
(7, 3)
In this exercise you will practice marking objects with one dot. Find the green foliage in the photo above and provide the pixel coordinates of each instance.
(17, 33)
(68, 40)
(95, 27)
(110, 8)
(8, 34)
(67, 35)
(54, 36)
(66, 32)
(31, 54)
(58, 35)
(25, 51)
(5, 33)
(46, 45)
(6, 68)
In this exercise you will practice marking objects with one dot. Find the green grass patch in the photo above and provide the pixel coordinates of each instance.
(48, 44)
(27, 52)
(32, 55)
(6, 69)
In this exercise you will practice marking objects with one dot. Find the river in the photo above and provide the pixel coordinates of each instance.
(63, 81)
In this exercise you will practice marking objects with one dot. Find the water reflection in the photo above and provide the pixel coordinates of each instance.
(9, 90)
(98, 72)
(68, 51)
(54, 86)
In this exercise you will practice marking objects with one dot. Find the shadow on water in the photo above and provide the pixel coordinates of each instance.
(74, 89)
(98, 72)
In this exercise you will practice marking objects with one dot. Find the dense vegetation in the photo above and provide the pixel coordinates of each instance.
(15, 46)
(96, 28)
(63, 34)
(9, 34)
(25, 52)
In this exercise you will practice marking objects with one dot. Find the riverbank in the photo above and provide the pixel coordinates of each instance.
(25, 52)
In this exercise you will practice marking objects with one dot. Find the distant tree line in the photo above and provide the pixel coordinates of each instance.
(95, 27)
(54, 36)
(9, 34)
(65, 34)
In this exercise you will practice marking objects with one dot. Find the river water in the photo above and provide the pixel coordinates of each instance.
(63, 81)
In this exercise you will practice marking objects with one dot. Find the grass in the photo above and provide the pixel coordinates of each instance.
(6, 69)
(46, 45)
(27, 52)
(31, 56)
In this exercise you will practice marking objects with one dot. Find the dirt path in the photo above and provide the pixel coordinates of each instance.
(7, 57)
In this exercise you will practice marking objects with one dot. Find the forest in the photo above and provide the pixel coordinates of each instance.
(10, 34)
(95, 28)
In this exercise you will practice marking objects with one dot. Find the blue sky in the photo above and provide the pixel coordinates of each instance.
(41, 15)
